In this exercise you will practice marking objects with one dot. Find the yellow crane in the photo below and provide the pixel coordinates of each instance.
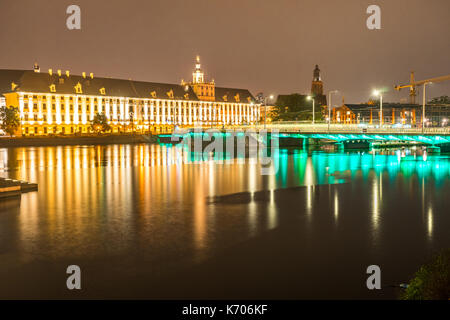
(412, 91)
(413, 84)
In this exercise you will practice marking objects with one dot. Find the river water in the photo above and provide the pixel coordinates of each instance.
(143, 222)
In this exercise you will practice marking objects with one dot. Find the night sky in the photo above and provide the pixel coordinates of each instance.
(263, 45)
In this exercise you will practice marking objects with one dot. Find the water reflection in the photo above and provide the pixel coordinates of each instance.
(151, 200)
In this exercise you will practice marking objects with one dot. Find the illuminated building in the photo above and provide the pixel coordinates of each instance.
(317, 88)
(299, 102)
(61, 103)
(393, 114)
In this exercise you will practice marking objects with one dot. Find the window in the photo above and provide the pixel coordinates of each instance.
(78, 88)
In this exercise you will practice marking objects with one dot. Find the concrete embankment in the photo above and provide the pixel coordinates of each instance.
(74, 140)
(12, 188)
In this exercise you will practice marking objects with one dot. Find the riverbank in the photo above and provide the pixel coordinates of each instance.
(75, 140)
(12, 188)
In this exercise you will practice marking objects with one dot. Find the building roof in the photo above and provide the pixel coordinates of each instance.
(230, 95)
(386, 106)
(30, 81)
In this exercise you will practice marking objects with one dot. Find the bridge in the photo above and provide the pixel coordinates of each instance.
(351, 136)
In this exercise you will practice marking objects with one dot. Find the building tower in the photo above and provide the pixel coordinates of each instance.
(317, 84)
(36, 67)
(198, 76)
(204, 90)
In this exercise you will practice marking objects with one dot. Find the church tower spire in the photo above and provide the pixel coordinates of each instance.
(317, 84)
(317, 74)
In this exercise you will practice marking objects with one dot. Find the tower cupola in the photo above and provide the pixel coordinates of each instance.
(198, 76)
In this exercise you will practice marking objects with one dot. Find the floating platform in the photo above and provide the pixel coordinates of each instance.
(12, 188)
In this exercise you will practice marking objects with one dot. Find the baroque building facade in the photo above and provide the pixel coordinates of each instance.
(61, 103)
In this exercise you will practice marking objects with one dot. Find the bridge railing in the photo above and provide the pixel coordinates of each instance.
(341, 128)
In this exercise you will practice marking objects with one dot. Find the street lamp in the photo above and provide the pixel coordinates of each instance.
(378, 93)
(424, 104)
(329, 107)
(265, 108)
(314, 108)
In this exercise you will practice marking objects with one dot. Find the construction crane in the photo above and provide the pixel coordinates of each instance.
(413, 92)
(413, 84)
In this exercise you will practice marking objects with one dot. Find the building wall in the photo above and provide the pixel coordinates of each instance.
(44, 113)
(399, 115)
(436, 115)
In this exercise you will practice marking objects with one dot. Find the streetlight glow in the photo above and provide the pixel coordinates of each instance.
(329, 107)
(265, 108)
(314, 107)
(379, 93)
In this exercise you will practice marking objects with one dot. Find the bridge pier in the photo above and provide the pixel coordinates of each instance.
(357, 144)
(339, 146)
(433, 149)
(445, 147)
(293, 142)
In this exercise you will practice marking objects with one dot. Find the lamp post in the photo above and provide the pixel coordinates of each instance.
(329, 108)
(378, 93)
(424, 105)
(314, 108)
(265, 109)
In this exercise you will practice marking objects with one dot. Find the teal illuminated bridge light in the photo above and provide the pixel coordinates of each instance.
(428, 139)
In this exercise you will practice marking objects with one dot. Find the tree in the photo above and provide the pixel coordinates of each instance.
(432, 281)
(100, 123)
(10, 120)
(295, 107)
(440, 100)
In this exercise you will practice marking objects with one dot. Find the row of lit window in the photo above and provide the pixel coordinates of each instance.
(112, 101)
(71, 108)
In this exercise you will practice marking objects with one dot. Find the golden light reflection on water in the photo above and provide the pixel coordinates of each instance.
(145, 193)
(336, 206)
(430, 222)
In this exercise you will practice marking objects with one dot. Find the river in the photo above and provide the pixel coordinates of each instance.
(143, 222)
